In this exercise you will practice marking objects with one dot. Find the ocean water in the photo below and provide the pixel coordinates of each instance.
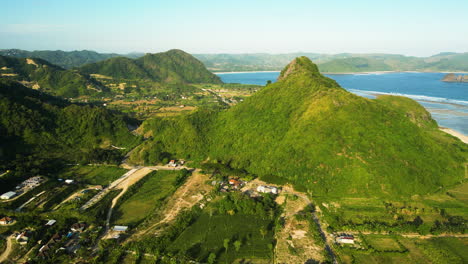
(447, 102)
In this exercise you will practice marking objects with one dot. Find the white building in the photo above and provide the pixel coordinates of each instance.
(8, 195)
(120, 228)
(69, 181)
(345, 240)
(51, 222)
(267, 189)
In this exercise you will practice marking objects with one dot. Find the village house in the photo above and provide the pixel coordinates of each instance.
(172, 163)
(345, 239)
(6, 220)
(267, 189)
(120, 228)
(235, 183)
(78, 227)
(51, 222)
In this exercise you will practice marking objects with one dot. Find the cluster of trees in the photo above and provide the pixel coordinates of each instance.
(239, 203)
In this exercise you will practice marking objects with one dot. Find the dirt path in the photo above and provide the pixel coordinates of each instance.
(124, 185)
(409, 235)
(189, 194)
(9, 247)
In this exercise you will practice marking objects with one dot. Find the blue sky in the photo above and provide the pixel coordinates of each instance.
(418, 28)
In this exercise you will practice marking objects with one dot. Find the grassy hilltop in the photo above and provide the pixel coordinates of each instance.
(307, 130)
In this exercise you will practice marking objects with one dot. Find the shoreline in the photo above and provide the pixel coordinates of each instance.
(455, 133)
(351, 73)
(234, 72)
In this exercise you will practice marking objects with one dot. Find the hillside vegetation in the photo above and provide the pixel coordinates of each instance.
(65, 59)
(38, 130)
(42, 75)
(307, 130)
(174, 66)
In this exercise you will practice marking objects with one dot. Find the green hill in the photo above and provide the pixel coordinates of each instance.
(307, 130)
(42, 75)
(173, 66)
(65, 59)
(354, 65)
(36, 128)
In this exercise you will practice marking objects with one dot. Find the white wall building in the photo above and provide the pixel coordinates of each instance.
(8, 195)
(267, 189)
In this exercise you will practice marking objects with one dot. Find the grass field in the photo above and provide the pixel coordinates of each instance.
(96, 175)
(157, 187)
(394, 211)
(383, 243)
(207, 236)
(436, 250)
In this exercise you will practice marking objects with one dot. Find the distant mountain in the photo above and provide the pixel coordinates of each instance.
(307, 130)
(173, 66)
(355, 64)
(42, 75)
(65, 59)
(35, 127)
(337, 63)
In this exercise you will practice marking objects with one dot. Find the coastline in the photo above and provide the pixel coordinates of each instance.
(350, 73)
(454, 133)
(234, 72)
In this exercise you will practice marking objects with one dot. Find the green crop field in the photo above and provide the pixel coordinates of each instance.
(207, 236)
(100, 175)
(435, 250)
(383, 243)
(144, 201)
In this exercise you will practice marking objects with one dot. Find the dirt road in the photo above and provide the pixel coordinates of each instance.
(189, 194)
(9, 246)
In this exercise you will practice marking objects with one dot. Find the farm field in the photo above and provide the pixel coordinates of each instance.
(396, 249)
(207, 236)
(367, 213)
(155, 188)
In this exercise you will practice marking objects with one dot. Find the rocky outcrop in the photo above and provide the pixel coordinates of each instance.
(455, 78)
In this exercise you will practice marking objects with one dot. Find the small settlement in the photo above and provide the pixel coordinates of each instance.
(23, 187)
(64, 241)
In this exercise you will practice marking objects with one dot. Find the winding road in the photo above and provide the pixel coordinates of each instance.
(9, 247)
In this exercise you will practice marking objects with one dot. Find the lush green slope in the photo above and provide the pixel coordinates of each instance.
(173, 66)
(307, 130)
(35, 127)
(65, 59)
(40, 74)
(354, 65)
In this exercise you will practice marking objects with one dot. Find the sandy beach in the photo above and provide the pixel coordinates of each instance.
(454, 133)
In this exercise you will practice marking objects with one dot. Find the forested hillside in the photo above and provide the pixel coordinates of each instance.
(307, 130)
(42, 75)
(38, 130)
(65, 59)
(173, 66)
